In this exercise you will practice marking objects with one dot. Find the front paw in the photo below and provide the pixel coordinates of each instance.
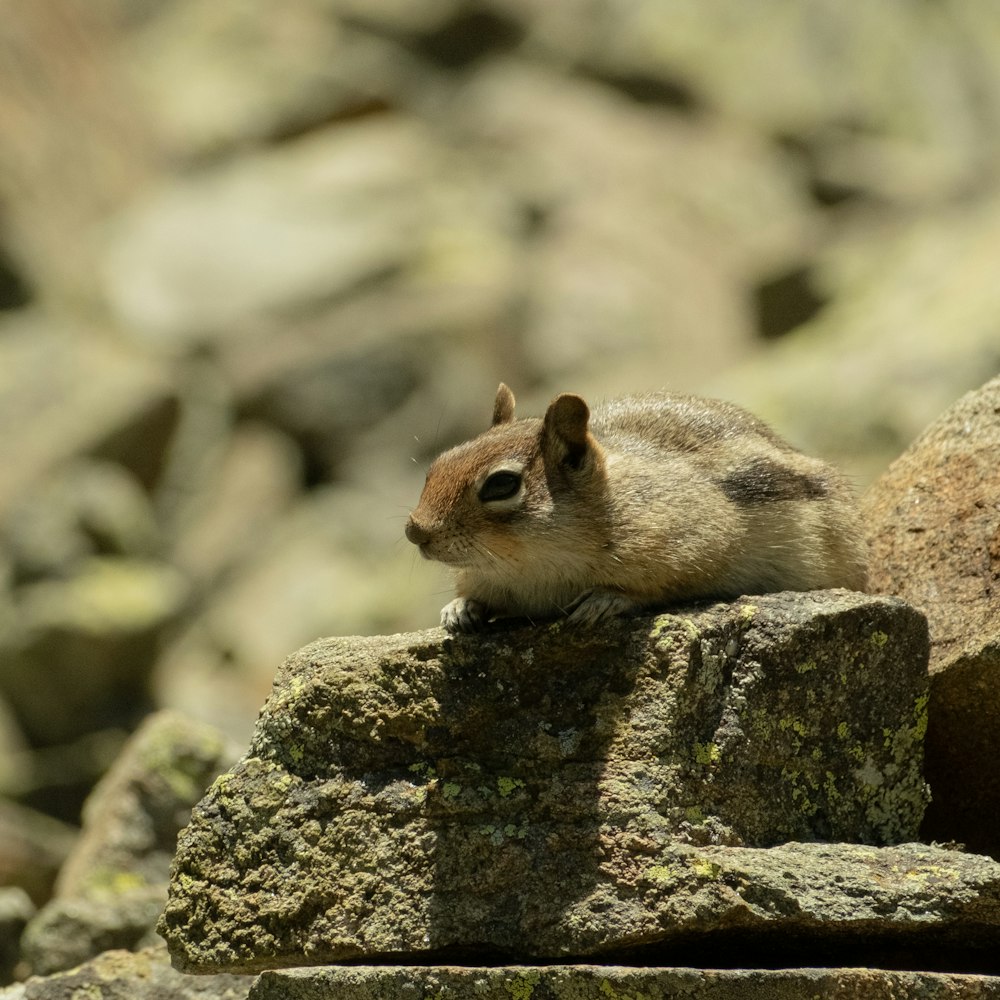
(594, 606)
(464, 614)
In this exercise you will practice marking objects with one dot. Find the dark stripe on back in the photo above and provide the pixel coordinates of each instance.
(765, 481)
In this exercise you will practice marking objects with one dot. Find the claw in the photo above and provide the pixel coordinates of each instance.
(464, 614)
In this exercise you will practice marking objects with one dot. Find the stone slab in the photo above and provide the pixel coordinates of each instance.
(595, 982)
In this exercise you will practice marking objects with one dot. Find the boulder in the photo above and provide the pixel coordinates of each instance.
(33, 846)
(71, 390)
(113, 885)
(350, 206)
(934, 522)
(126, 975)
(93, 636)
(548, 791)
(81, 509)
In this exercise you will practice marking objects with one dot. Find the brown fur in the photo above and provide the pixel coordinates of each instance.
(651, 499)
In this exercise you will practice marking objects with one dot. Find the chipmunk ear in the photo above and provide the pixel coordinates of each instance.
(503, 406)
(565, 439)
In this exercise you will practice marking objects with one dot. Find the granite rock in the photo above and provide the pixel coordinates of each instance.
(547, 791)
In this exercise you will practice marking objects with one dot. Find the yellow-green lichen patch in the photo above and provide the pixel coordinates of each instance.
(704, 868)
(830, 786)
(662, 873)
(506, 786)
(282, 782)
(707, 753)
(692, 630)
(522, 986)
(805, 668)
(843, 731)
(761, 724)
(661, 627)
(797, 726)
(450, 790)
(108, 881)
(221, 783)
(878, 639)
(186, 882)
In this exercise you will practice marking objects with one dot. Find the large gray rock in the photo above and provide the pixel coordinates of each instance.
(93, 635)
(934, 526)
(347, 206)
(604, 982)
(70, 390)
(548, 791)
(113, 885)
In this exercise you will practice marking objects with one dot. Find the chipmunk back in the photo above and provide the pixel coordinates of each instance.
(646, 501)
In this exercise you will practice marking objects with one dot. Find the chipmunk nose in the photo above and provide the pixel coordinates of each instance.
(416, 534)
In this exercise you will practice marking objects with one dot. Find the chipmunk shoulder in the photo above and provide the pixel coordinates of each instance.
(644, 501)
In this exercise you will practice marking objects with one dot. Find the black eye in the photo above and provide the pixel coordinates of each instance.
(500, 486)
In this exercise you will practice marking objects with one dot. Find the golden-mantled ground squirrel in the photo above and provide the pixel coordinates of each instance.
(648, 500)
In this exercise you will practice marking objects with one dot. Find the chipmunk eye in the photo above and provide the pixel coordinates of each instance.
(500, 486)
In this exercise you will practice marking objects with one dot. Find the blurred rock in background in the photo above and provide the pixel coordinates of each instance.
(257, 266)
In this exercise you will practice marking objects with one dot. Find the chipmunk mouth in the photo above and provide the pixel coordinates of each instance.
(434, 548)
(428, 550)
(446, 558)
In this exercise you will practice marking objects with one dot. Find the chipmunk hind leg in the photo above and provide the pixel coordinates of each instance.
(598, 605)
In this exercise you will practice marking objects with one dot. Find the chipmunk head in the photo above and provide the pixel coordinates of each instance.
(487, 499)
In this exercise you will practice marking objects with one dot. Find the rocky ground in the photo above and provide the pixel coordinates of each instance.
(257, 268)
